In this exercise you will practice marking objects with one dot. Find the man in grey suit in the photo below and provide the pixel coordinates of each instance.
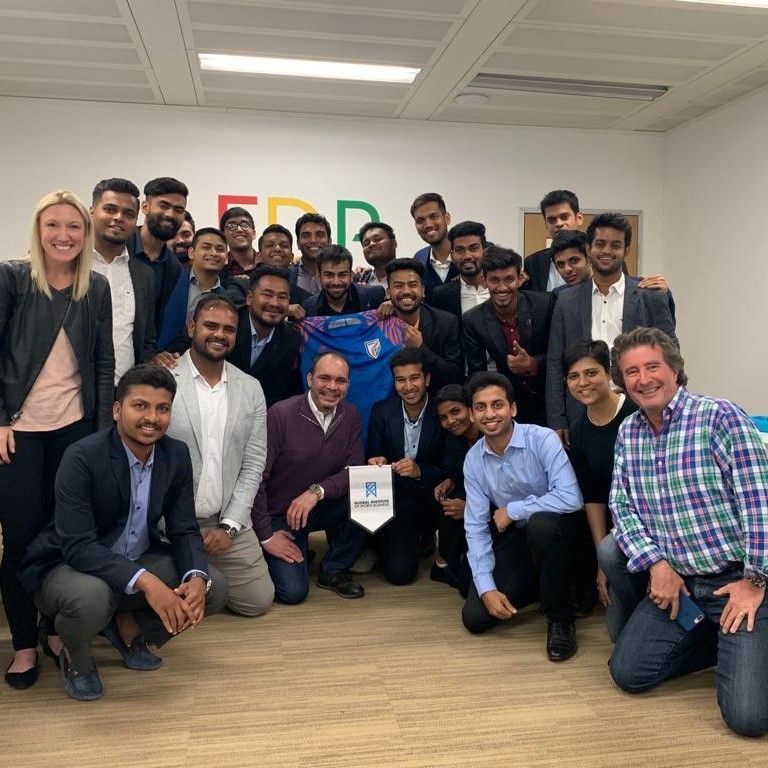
(114, 210)
(601, 308)
(220, 413)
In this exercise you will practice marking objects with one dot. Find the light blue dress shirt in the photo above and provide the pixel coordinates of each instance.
(133, 542)
(257, 347)
(533, 475)
(412, 433)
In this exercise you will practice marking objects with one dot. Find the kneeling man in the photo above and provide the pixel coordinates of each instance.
(102, 565)
(690, 503)
(521, 491)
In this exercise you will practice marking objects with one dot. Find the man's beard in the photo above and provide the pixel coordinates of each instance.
(165, 231)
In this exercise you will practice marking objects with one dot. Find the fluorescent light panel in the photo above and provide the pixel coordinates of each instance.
(733, 3)
(331, 70)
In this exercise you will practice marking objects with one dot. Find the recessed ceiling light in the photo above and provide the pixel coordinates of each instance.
(334, 70)
(469, 99)
(733, 3)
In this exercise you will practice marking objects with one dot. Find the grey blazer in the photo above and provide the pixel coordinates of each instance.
(245, 436)
(572, 320)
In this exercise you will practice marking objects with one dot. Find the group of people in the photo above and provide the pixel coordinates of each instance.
(169, 437)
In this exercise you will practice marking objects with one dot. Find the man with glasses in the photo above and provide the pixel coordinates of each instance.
(238, 228)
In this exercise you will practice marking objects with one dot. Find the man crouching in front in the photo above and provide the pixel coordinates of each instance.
(102, 565)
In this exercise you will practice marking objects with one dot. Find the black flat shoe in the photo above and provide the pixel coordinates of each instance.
(42, 636)
(22, 680)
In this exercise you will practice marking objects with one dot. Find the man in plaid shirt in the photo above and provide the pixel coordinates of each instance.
(690, 504)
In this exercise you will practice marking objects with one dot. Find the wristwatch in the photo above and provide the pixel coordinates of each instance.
(230, 529)
(755, 579)
(318, 490)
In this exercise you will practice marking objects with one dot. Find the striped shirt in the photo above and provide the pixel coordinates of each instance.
(696, 494)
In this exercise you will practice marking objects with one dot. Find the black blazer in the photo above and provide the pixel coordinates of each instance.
(483, 336)
(442, 347)
(277, 368)
(368, 297)
(93, 496)
(536, 266)
(144, 331)
(448, 297)
(438, 456)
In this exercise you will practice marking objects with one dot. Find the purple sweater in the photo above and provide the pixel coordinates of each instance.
(299, 454)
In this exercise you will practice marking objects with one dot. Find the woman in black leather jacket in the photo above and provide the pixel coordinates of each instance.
(56, 386)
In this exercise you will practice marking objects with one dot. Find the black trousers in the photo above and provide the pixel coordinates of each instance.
(532, 562)
(399, 541)
(26, 507)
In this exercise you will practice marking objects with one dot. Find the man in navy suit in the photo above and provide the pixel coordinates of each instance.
(432, 220)
(404, 431)
(339, 295)
(103, 565)
(600, 308)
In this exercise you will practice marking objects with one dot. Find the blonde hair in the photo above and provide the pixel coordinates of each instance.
(36, 255)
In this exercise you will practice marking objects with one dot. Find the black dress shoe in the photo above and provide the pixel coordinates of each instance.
(561, 640)
(341, 583)
(444, 575)
(22, 680)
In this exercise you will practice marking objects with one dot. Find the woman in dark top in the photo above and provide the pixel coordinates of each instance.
(593, 437)
(57, 370)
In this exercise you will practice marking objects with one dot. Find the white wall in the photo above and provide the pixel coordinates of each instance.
(485, 173)
(715, 197)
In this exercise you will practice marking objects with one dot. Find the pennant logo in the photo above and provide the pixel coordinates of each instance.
(370, 490)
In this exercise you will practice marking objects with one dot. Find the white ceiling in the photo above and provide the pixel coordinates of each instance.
(145, 51)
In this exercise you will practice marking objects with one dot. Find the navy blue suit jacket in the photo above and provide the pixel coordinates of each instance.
(93, 497)
(431, 278)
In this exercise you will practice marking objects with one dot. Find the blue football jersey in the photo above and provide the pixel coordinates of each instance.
(367, 341)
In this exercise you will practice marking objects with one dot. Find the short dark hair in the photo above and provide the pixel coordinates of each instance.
(207, 231)
(495, 257)
(569, 238)
(485, 379)
(188, 218)
(467, 228)
(558, 197)
(611, 219)
(264, 270)
(118, 185)
(408, 356)
(280, 229)
(312, 218)
(595, 349)
(647, 337)
(329, 353)
(230, 213)
(452, 393)
(398, 265)
(145, 375)
(333, 254)
(376, 225)
(209, 300)
(428, 197)
(165, 185)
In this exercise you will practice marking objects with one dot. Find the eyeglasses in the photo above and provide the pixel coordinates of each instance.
(233, 226)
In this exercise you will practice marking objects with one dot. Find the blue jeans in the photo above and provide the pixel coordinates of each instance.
(652, 649)
(345, 540)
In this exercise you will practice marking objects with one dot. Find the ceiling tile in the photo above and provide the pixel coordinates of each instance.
(48, 51)
(64, 30)
(106, 8)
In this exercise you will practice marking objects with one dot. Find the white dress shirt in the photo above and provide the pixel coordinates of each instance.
(441, 267)
(471, 296)
(608, 312)
(323, 419)
(554, 279)
(212, 404)
(123, 308)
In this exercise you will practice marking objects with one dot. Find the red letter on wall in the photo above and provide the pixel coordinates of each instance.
(226, 200)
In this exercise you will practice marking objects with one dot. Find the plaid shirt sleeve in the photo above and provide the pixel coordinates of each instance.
(739, 450)
(630, 533)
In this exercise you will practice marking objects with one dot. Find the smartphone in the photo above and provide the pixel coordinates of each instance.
(688, 613)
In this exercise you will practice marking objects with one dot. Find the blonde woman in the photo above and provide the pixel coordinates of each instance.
(56, 386)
